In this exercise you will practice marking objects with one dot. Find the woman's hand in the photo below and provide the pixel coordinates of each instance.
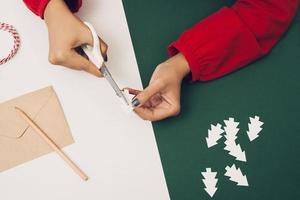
(161, 99)
(66, 34)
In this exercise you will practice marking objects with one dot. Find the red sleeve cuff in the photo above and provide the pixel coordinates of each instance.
(177, 47)
(38, 6)
(217, 45)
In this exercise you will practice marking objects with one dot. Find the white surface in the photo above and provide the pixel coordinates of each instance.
(117, 151)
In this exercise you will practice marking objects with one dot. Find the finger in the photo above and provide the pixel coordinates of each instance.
(162, 113)
(156, 114)
(156, 100)
(76, 61)
(132, 91)
(145, 95)
(103, 49)
(135, 93)
(144, 113)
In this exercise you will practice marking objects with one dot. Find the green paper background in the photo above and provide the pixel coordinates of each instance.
(270, 88)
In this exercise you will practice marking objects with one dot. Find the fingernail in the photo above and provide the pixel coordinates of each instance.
(135, 102)
(105, 58)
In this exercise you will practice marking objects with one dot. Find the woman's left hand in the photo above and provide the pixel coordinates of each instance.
(161, 99)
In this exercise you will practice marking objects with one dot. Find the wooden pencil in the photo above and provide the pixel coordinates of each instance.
(52, 144)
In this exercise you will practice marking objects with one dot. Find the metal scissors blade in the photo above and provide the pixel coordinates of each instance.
(95, 56)
(113, 83)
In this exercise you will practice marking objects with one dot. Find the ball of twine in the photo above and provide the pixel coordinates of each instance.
(9, 28)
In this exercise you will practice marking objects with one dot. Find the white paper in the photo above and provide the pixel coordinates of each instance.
(118, 152)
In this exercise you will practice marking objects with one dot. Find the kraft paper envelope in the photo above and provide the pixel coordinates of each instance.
(18, 142)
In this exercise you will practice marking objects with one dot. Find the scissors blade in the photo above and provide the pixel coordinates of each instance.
(113, 83)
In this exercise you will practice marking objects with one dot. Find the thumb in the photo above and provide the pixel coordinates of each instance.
(79, 62)
(146, 94)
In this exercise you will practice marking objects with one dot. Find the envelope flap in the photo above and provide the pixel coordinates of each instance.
(11, 125)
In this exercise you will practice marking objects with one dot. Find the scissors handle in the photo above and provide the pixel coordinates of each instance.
(95, 56)
(93, 52)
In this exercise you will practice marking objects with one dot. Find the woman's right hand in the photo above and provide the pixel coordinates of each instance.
(66, 33)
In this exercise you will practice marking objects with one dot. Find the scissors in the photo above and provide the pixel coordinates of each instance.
(94, 54)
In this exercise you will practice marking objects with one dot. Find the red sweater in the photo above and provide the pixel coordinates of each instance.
(227, 40)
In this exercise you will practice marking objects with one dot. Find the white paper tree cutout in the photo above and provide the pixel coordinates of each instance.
(236, 175)
(231, 130)
(214, 134)
(254, 128)
(210, 181)
(237, 152)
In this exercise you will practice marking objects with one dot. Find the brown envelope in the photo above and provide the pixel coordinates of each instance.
(18, 142)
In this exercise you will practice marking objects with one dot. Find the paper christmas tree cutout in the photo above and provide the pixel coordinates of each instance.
(236, 175)
(231, 130)
(236, 151)
(214, 134)
(210, 181)
(254, 128)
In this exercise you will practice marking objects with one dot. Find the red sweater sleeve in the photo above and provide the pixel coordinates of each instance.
(38, 6)
(233, 37)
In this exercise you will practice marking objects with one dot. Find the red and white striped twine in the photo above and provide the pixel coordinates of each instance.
(9, 28)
